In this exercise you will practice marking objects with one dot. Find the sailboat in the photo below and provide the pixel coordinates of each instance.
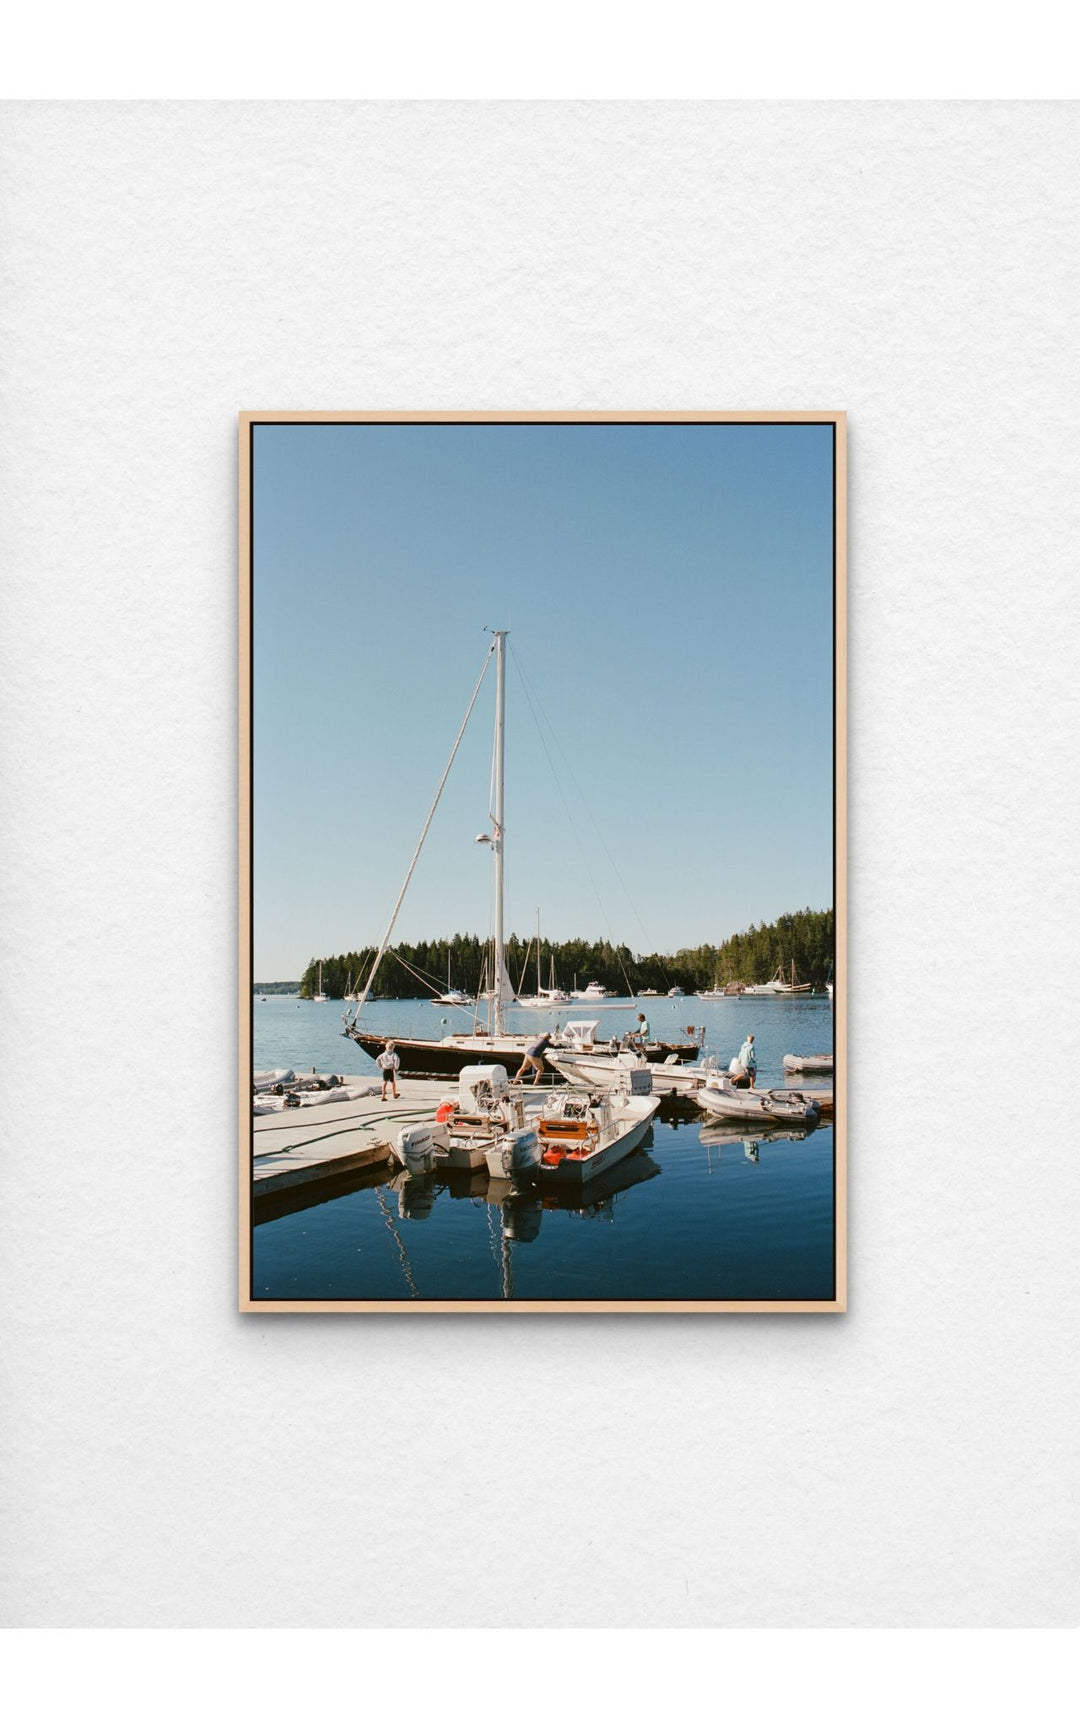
(779, 985)
(318, 996)
(551, 997)
(493, 1042)
(453, 998)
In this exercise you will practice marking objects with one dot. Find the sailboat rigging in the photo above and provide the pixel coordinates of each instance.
(493, 1042)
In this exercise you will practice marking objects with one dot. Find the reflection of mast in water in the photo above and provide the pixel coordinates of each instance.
(507, 1268)
(520, 1217)
(393, 1229)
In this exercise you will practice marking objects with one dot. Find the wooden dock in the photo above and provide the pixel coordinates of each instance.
(319, 1142)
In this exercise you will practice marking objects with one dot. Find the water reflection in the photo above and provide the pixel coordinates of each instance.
(715, 1138)
(514, 1213)
(736, 1215)
(417, 1195)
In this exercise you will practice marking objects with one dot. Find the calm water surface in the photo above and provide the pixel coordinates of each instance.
(698, 1212)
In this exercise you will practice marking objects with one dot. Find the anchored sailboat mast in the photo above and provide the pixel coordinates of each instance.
(498, 1024)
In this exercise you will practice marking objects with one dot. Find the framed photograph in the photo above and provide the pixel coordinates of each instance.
(542, 974)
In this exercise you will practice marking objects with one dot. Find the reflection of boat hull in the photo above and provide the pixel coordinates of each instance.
(473, 1185)
(590, 1198)
(718, 1134)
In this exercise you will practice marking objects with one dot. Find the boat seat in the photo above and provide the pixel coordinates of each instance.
(561, 1129)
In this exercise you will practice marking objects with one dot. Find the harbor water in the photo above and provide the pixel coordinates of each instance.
(700, 1212)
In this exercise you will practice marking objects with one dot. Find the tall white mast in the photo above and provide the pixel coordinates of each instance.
(498, 834)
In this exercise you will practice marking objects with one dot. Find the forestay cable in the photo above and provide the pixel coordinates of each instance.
(419, 844)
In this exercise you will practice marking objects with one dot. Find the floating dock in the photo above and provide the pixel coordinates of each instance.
(319, 1142)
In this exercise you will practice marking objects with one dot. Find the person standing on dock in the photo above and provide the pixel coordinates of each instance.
(748, 1058)
(534, 1058)
(643, 1031)
(389, 1061)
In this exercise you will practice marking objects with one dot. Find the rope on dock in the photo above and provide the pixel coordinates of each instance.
(350, 1128)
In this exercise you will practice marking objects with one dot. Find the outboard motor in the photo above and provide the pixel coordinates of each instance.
(417, 1146)
(481, 1088)
(515, 1155)
(634, 1079)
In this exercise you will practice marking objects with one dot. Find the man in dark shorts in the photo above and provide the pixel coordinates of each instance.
(534, 1058)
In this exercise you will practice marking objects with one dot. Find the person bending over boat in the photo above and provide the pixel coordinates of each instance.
(534, 1058)
(389, 1061)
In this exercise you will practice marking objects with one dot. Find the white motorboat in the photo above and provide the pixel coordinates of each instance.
(484, 1125)
(560, 1136)
(593, 993)
(675, 991)
(596, 1069)
(582, 1136)
(580, 1037)
(718, 1097)
(648, 992)
(820, 1064)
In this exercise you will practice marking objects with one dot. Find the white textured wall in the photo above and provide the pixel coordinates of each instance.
(166, 1462)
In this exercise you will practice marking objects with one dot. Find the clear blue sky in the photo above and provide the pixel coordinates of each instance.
(669, 595)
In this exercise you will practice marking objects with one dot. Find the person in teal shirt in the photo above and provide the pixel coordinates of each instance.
(642, 1032)
(747, 1057)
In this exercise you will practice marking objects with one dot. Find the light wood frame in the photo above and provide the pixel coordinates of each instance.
(838, 420)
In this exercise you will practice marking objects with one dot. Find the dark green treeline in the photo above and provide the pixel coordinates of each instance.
(807, 938)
